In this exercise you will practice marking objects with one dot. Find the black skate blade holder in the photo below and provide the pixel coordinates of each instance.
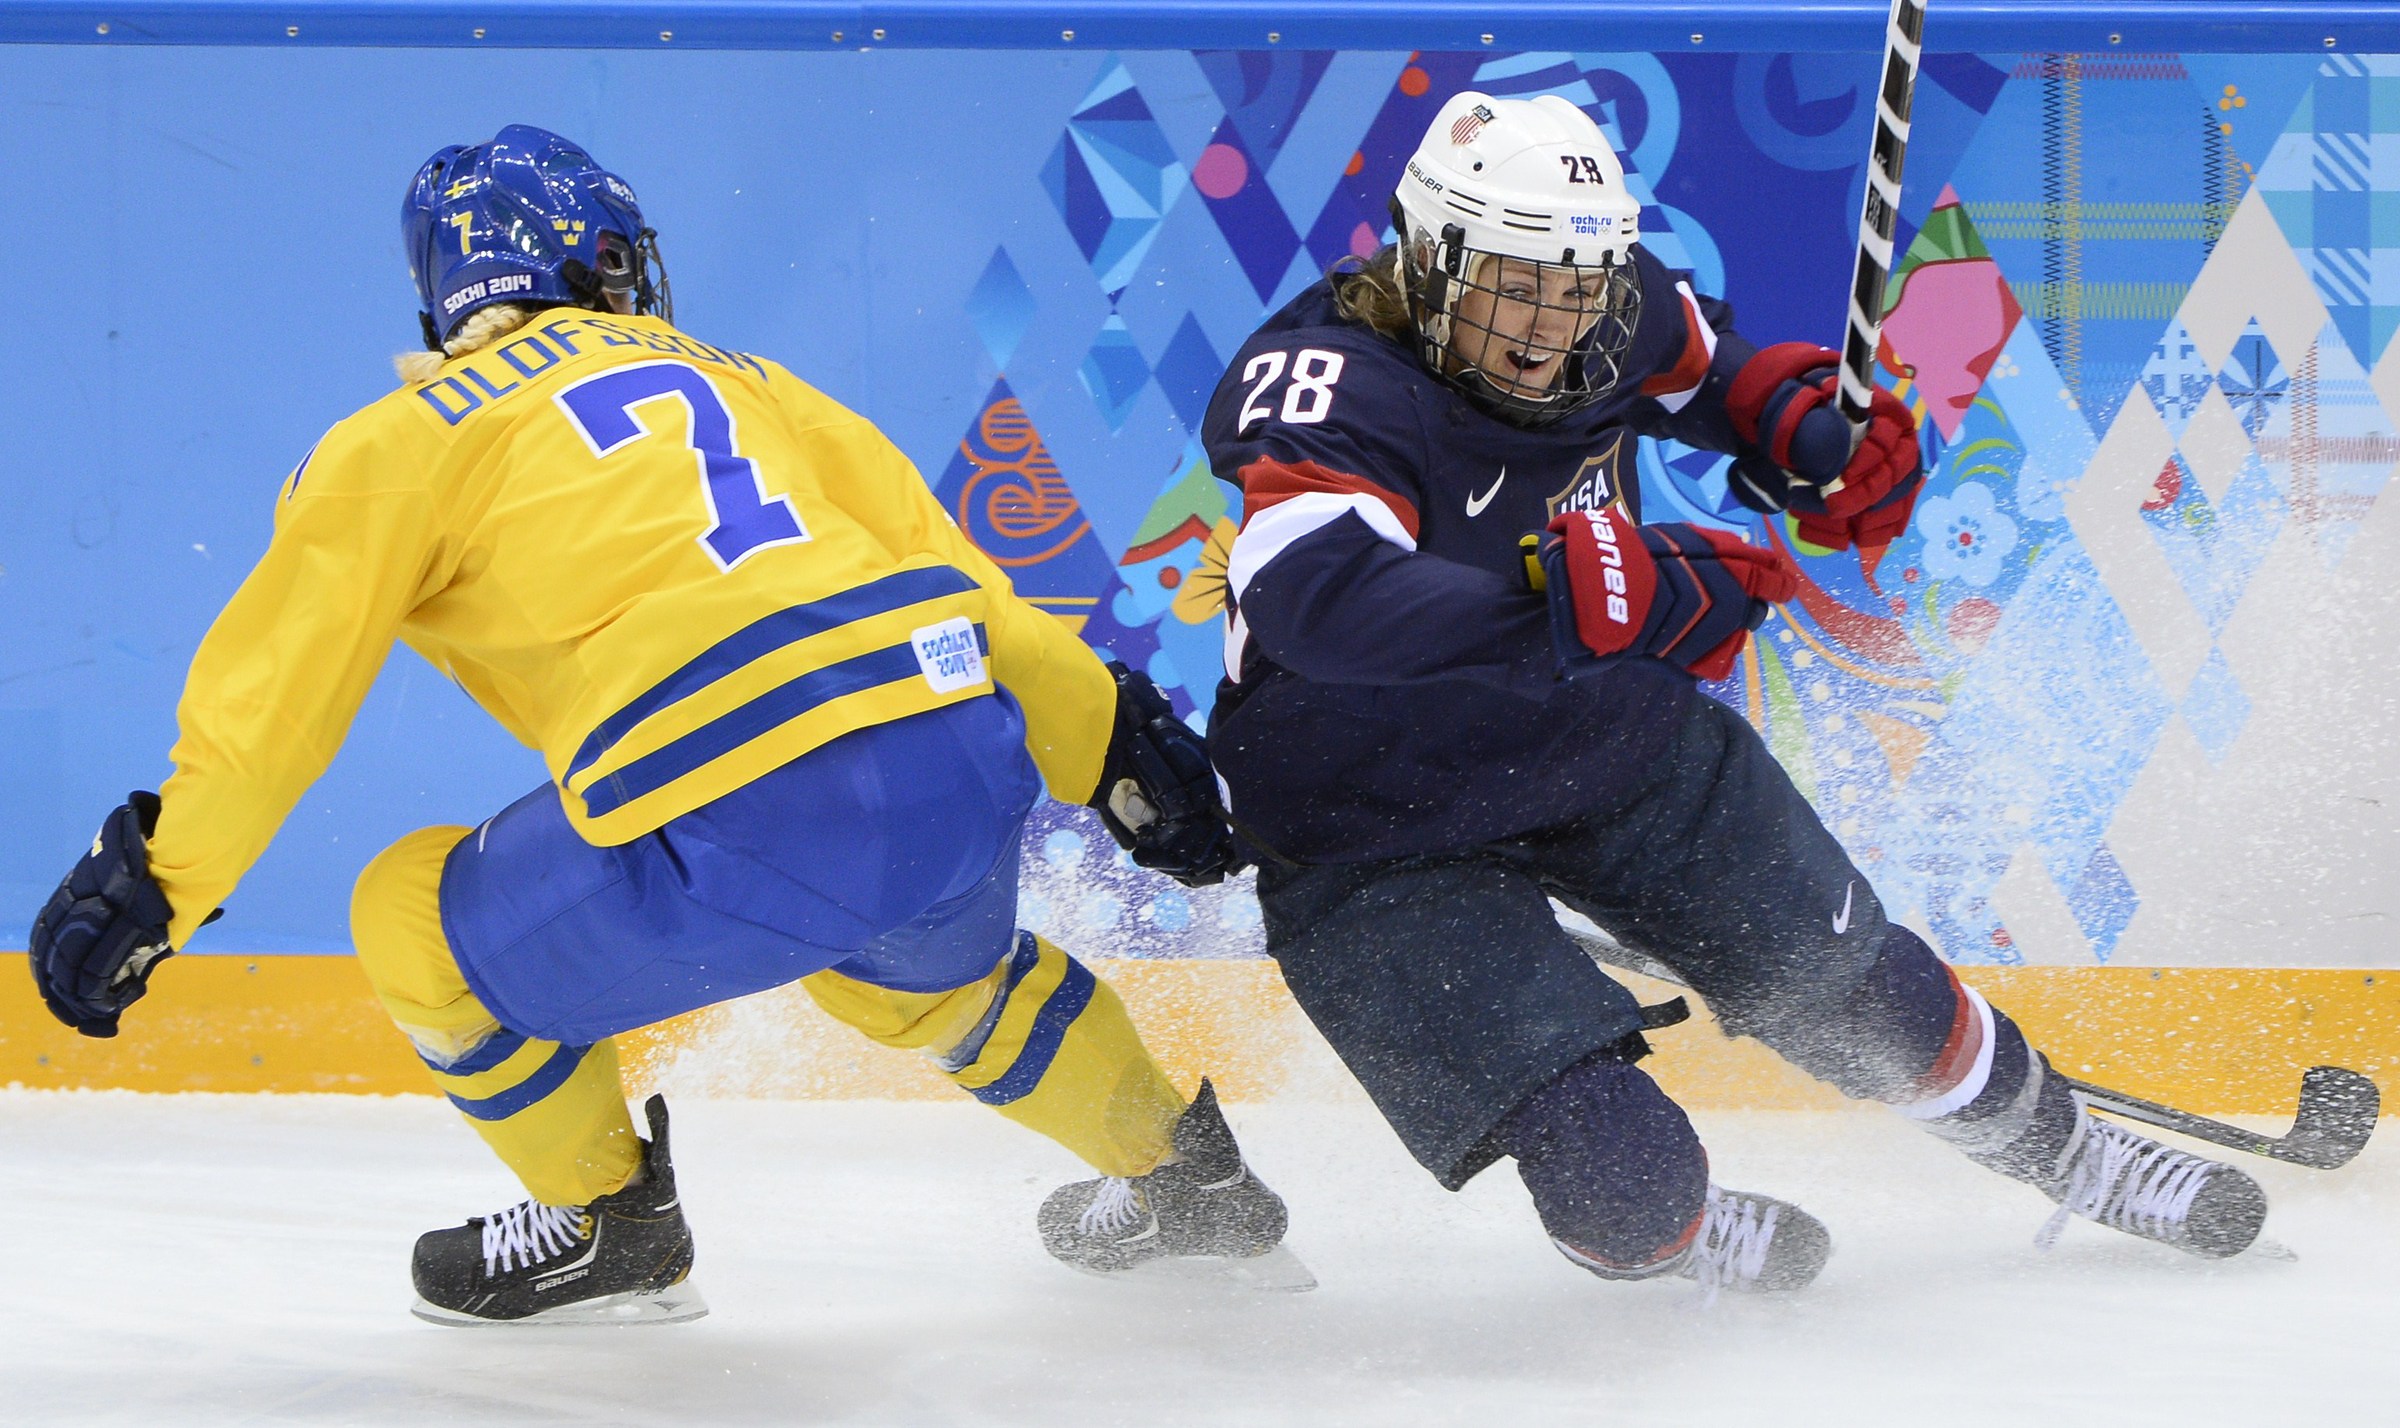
(2337, 1110)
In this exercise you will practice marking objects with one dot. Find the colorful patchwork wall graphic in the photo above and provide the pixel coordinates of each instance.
(1113, 178)
(2127, 431)
(2331, 181)
(2123, 692)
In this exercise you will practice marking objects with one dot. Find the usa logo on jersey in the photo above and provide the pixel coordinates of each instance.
(1597, 482)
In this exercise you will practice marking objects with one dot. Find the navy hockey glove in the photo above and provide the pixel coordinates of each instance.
(1782, 403)
(1686, 595)
(99, 937)
(1158, 791)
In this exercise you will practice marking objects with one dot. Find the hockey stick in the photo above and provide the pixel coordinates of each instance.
(1878, 221)
(2330, 1127)
(2337, 1110)
(1879, 218)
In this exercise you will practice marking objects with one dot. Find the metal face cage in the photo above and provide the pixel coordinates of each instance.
(1530, 342)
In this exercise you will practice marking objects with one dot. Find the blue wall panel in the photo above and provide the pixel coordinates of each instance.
(213, 275)
(206, 273)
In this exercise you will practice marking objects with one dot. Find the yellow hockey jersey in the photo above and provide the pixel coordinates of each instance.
(668, 567)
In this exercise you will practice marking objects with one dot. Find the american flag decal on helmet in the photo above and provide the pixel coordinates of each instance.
(1469, 125)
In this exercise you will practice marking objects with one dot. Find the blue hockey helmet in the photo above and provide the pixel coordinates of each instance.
(527, 218)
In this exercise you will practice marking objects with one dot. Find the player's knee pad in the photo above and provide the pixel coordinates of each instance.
(1056, 1051)
(396, 925)
(556, 1114)
(1036, 994)
(913, 1021)
(1612, 1163)
(396, 919)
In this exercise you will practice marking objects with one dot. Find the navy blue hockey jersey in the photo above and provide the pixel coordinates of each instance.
(1391, 685)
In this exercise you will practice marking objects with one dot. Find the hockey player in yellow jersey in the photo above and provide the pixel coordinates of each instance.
(793, 722)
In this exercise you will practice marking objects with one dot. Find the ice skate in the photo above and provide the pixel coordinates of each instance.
(622, 1259)
(1203, 1211)
(2127, 1181)
(1746, 1242)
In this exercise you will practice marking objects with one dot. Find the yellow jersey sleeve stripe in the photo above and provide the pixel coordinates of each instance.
(755, 641)
(780, 705)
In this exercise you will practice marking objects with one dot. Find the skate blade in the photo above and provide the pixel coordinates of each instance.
(1278, 1271)
(674, 1305)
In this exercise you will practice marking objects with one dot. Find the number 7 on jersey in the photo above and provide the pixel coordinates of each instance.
(742, 518)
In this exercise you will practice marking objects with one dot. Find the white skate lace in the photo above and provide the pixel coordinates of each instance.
(2128, 1182)
(1735, 1232)
(523, 1235)
(1115, 1206)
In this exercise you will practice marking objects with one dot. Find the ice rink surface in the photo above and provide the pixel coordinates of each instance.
(203, 1260)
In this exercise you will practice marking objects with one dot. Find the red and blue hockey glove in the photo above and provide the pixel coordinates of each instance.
(98, 938)
(1782, 403)
(1158, 791)
(1683, 594)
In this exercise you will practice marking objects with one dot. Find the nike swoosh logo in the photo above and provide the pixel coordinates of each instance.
(1475, 504)
(1841, 920)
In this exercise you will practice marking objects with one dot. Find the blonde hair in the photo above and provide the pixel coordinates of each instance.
(483, 327)
(1371, 292)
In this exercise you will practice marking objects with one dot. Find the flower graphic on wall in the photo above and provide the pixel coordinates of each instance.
(1201, 597)
(1966, 535)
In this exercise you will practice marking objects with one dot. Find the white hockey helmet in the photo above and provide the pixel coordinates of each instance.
(1530, 188)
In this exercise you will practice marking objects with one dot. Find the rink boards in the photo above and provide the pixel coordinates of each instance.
(2113, 726)
(2219, 1042)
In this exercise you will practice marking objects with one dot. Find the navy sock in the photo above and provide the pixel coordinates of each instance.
(1613, 1165)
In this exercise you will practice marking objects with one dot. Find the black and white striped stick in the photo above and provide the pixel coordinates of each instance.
(1902, 38)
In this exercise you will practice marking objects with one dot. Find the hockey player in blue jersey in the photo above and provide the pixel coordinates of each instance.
(794, 722)
(1429, 727)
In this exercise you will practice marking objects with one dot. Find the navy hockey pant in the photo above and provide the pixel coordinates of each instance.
(1481, 1030)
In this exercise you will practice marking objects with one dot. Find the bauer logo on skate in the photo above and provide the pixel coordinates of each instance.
(949, 654)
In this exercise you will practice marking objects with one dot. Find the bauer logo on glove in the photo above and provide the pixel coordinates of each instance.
(1673, 591)
(1603, 533)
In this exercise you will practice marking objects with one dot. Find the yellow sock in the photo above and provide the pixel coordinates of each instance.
(555, 1114)
(1041, 1040)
